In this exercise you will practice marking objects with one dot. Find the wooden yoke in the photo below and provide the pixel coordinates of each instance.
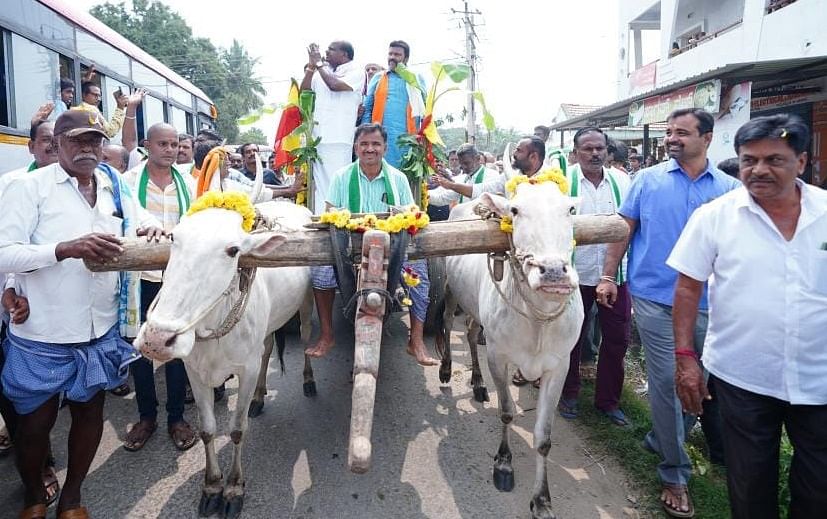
(370, 311)
(312, 247)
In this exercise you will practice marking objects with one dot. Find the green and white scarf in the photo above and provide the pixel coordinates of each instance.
(181, 190)
(354, 191)
(574, 189)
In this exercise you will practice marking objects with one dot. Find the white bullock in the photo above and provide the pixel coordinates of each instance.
(202, 285)
(532, 318)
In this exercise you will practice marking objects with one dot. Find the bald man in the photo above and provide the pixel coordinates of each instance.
(166, 194)
(116, 156)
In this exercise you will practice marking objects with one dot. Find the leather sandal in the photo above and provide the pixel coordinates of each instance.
(75, 513)
(677, 491)
(138, 435)
(37, 511)
(183, 435)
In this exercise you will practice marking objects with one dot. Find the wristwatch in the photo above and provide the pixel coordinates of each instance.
(319, 64)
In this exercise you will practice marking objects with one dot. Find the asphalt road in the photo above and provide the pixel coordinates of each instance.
(433, 449)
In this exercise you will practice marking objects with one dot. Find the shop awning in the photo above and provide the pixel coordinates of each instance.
(764, 73)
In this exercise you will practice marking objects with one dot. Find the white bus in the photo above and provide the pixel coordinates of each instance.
(44, 41)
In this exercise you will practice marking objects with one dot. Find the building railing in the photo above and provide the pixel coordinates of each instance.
(775, 5)
(702, 37)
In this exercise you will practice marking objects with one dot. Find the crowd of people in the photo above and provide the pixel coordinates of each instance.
(746, 359)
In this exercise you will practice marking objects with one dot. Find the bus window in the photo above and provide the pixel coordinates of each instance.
(36, 78)
(99, 52)
(5, 88)
(153, 110)
(178, 118)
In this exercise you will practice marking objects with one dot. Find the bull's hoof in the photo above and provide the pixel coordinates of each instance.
(481, 394)
(445, 372)
(504, 479)
(541, 508)
(233, 506)
(256, 408)
(210, 504)
(309, 388)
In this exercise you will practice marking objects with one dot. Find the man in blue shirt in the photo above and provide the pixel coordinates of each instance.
(657, 207)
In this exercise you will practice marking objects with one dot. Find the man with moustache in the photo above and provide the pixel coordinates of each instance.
(42, 146)
(600, 190)
(370, 185)
(394, 103)
(764, 243)
(70, 344)
(166, 194)
(184, 162)
(656, 208)
(338, 83)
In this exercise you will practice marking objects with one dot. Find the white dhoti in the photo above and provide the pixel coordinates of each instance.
(334, 156)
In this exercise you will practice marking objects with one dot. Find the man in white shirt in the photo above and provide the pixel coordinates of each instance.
(186, 146)
(338, 83)
(601, 191)
(762, 247)
(474, 173)
(70, 344)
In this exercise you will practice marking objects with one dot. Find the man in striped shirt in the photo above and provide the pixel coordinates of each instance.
(166, 194)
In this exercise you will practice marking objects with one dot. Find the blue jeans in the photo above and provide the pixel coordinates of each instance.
(669, 425)
(144, 376)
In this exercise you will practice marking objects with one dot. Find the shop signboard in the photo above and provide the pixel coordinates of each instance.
(656, 109)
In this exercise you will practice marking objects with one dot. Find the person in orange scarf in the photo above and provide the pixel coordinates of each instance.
(393, 102)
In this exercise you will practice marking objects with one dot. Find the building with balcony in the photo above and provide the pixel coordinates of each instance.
(735, 58)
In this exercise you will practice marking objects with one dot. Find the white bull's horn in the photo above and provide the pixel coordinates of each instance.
(259, 181)
(508, 171)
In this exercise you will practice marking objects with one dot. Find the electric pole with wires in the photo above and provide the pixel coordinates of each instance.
(471, 59)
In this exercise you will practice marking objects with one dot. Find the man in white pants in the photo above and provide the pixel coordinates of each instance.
(338, 83)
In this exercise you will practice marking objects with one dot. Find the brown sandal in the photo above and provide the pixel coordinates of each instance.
(75, 513)
(138, 435)
(37, 511)
(183, 435)
(51, 483)
(677, 491)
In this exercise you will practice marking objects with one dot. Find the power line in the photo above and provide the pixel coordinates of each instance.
(471, 59)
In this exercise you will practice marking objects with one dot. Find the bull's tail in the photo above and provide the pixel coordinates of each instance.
(281, 344)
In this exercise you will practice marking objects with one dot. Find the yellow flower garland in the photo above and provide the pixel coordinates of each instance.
(231, 201)
(546, 175)
(411, 220)
(426, 197)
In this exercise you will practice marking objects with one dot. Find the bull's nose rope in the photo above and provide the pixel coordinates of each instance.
(519, 279)
(233, 316)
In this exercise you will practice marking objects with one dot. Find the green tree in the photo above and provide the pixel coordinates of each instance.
(253, 135)
(227, 76)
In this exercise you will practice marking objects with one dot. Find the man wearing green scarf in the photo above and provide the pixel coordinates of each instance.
(370, 185)
(166, 194)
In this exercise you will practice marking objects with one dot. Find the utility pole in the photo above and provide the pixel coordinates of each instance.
(471, 60)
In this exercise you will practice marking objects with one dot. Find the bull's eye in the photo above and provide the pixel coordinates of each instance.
(514, 211)
(572, 210)
(232, 251)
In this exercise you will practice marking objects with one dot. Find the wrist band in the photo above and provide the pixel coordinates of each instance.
(127, 117)
(610, 279)
(686, 352)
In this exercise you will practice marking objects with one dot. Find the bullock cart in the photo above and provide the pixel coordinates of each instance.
(312, 246)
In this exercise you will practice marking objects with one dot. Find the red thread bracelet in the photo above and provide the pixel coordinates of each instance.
(686, 352)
